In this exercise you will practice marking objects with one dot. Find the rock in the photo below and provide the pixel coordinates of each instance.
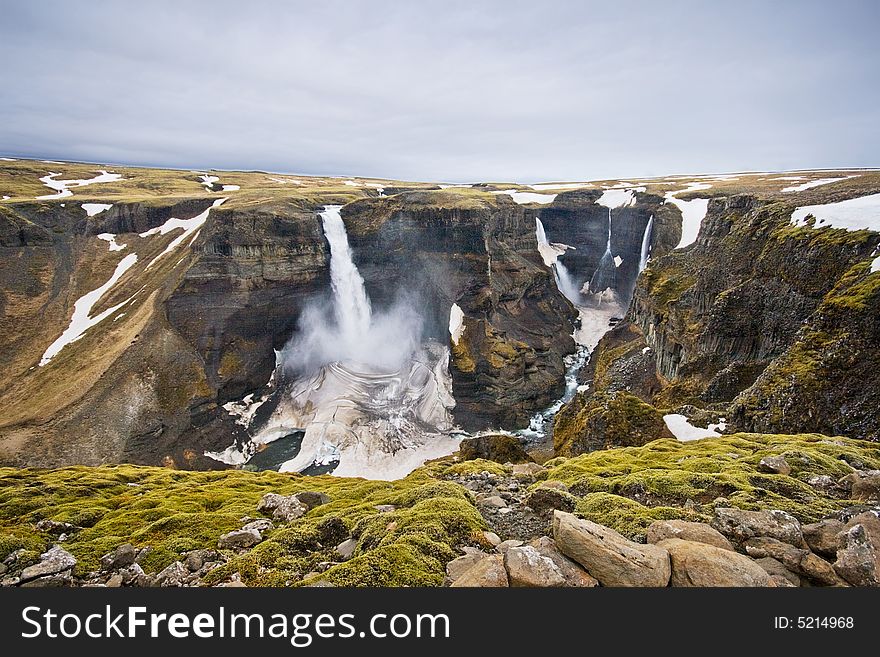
(821, 536)
(133, 575)
(281, 508)
(458, 567)
(49, 581)
(526, 470)
(487, 572)
(871, 523)
(261, 525)
(501, 448)
(739, 525)
(506, 545)
(239, 538)
(55, 527)
(572, 573)
(53, 561)
(114, 582)
(775, 568)
(799, 561)
(556, 485)
(311, 499)
(238, 584)
(863, 486)
(780, 582)
(858, 557)
(851, 512)
(122, 556)
(546, 499)
(608, 556)
(195, 559)
(144, 553)
(492, 538)
(385, 508)
(774, 465)
(701, 564)
(346, 548)
(824, 484)
(529, 568)
(175, 574)
(492, 501)
(697, 532)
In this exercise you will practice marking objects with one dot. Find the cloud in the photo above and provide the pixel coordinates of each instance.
(444, 90)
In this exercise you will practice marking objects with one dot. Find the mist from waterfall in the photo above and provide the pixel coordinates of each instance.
(646, 244)
(347, 330)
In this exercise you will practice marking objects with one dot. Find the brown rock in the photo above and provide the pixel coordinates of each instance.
(458, 567)
(774, 465)
(687, 531)
(574, 575)
(775, 568)
(701, 564)
(822, 536)
(546, 499)
(529, 568)
(740, 525)
(609, 557)
(858, 557)
(800, 561)
(487, 572)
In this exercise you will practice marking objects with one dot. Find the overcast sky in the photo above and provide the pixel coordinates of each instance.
(516, 91)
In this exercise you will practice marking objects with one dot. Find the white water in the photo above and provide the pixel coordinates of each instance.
(603, 277)
(646, 245)
(550, 255)
(350, 302)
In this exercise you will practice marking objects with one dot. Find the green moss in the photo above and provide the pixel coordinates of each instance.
(388, 565)
(628, 516)
(474, 466)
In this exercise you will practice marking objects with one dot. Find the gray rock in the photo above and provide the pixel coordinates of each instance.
(492, 538)
(821, 536)
(775, 568)
(698, 532)
(284, 509)
(53, 561)
(240, 538)
(774, 465)
(858, 557)
(174, 575)
(385, 508)
(824, 484)
(311, 499)
(608, 556)
(572, 573)
(49, 581)
(196, 559)
(55, 527)
(700, 564)
(346, 548)
(492, 501)
(133, 575)
(547, 499)
(122, 556)
(526, 567)
(261, 525)
(487, 572)
(739, 525)
(114, 582)
(509, 543)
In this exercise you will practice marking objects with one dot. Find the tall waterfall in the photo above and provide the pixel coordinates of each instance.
(550, 254)
(646, 244)
(351, 305)
(603, 277)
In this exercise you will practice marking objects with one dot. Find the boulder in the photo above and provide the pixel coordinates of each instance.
(196, 559)
(385, 508)
(740, 525)
(281, 508)
(799, 561)
(493, 538)
(864, 486)
(547, 499)
(609, 557)
(239, 538)
(52, 562)
(55, 527)
(175, 574)
(311, 499)
(526, 470)
(858, 557)
(529, 568)
(556, 485)
(49, 581)
(774, 465)
(824, 484)
(261, 525)
(503, 546)
(133, 575)
(487, 572)
(821, 536)
(775, 568)
(346, 549)
(122, 556)
(701, 564)
(572, 573)
(492, 501)
(697, 532)
(458, 567)
(494, 447)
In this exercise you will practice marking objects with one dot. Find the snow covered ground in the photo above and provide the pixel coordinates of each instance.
(110, 237)
(95, 208)
(527, 197)
(82, 308)
(62, 187)
(692, 212)
(684, 431)
(619, 197)
(190, 228)
(456, 323)
(862, 213)
(813, 183)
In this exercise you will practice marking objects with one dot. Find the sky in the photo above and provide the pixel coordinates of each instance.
(444, 90)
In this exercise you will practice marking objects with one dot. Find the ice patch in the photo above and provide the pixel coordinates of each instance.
(189, 226)
(617, 260)
(62, 186)
(684, 431)
(456, 323)
(81, 321)
(244, 410)
(527, 197)
(110, 237)
(95, 208)
(862, 213)
(815, 183)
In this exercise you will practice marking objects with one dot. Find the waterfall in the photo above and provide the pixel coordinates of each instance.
(646, 244)
(351, 304)
(564, 281)
(608, 242)
(605, 274)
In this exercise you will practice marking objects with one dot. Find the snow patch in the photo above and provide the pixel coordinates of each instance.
(692, 212)
(862, 213)
(875, 265)
(684, 431)
(95, 208)
(617, 260)
(208, 181)
(110, 237)
(189, 226)
(231, 188)
(62, 186)
(243, 410)
(81, 321)
(527, 197)
(815, 183)
(619, 198)
(456, 323)
(541, 186)
(6, 198)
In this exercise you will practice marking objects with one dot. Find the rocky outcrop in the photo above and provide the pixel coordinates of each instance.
(700, 564)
